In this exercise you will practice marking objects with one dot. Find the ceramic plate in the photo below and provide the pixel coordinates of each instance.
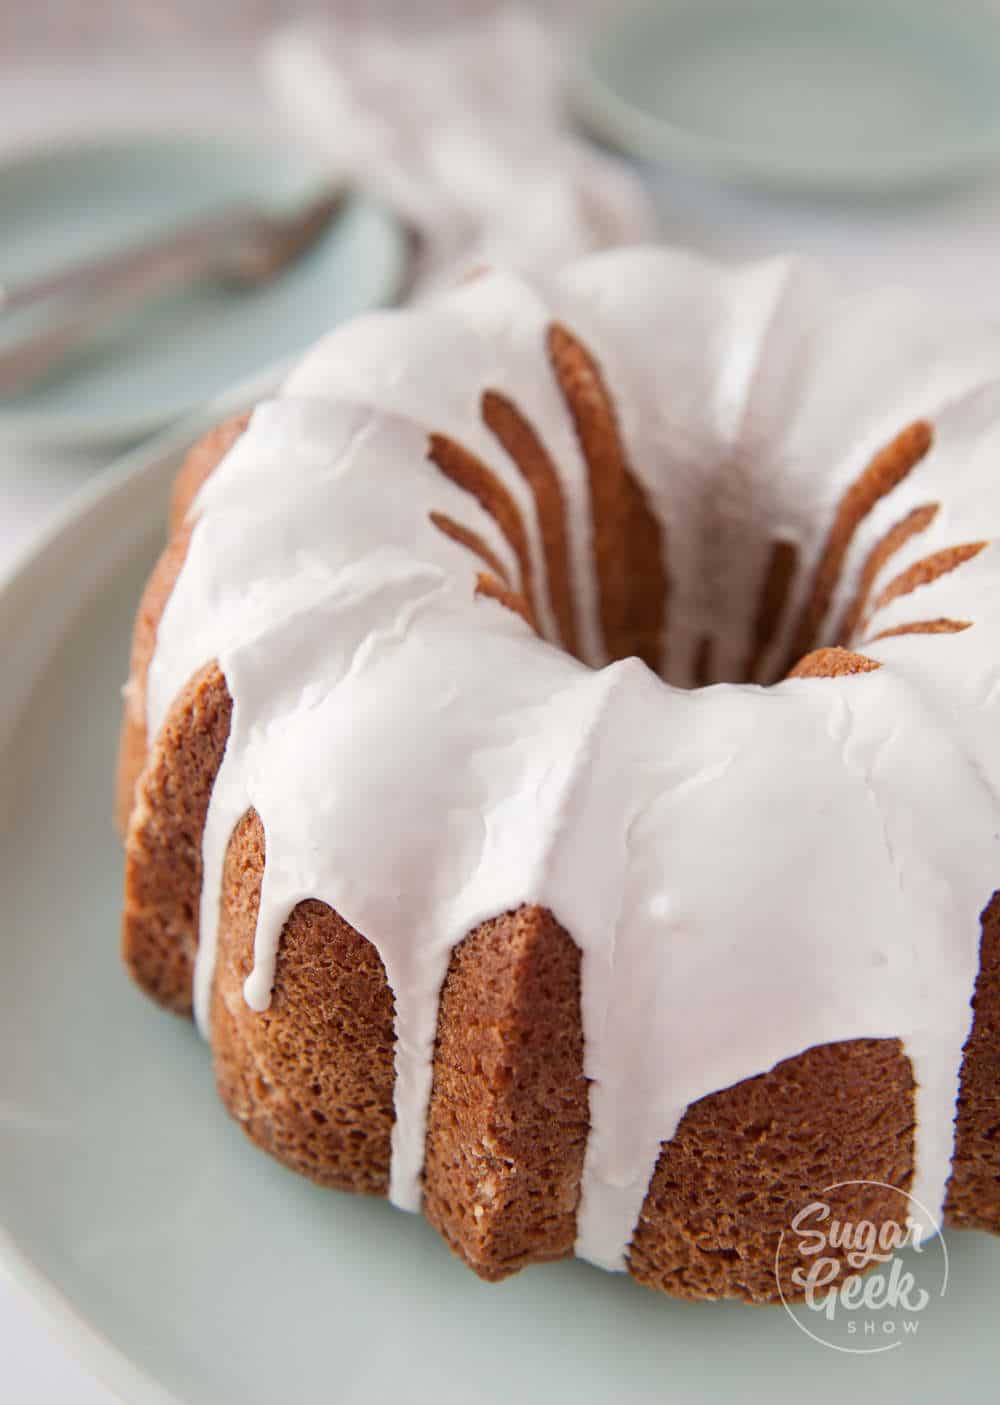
(840, 95)
(69, 203)
(186, 1267)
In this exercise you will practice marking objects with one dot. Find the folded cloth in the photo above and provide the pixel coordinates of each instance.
(462, 132)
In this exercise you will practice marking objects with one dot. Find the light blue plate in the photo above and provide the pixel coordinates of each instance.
(840, 95)
(61, 205)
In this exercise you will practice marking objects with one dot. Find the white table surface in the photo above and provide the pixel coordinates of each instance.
(946, 243)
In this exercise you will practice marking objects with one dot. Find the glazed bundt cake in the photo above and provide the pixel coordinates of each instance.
(561, 766)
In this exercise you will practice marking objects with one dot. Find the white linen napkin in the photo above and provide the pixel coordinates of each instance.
(462, 132)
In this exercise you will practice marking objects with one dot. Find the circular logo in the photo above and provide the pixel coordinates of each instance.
(861, 1286)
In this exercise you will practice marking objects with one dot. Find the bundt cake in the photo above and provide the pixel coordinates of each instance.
(561, 765)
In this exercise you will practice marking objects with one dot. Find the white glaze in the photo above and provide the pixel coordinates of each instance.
(748, 872)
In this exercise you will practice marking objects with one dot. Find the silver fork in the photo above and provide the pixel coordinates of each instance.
(241, 245)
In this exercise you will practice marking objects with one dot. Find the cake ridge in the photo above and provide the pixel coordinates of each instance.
(622, 521)
(465, 536)
(885, 471)
(518, 437)
(471, 474)
(926, 571)
(917, 520)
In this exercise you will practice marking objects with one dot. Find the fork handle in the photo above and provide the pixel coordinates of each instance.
(167, 266)
(92, 277)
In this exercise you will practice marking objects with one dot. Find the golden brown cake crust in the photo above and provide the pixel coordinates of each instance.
(162, 792)
(833, 663)
(886, 471)
(198, 465)
(311, 1079)
(133, 742)
(974, 1191)
(939, 626)
(525, 449)
(163, 843)
(629, 544)
(745, 1160)
(507, 1123)
(881, 553)
(468, 472)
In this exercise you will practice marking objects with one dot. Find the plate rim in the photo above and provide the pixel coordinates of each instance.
(105, 1361)
(56, 429)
